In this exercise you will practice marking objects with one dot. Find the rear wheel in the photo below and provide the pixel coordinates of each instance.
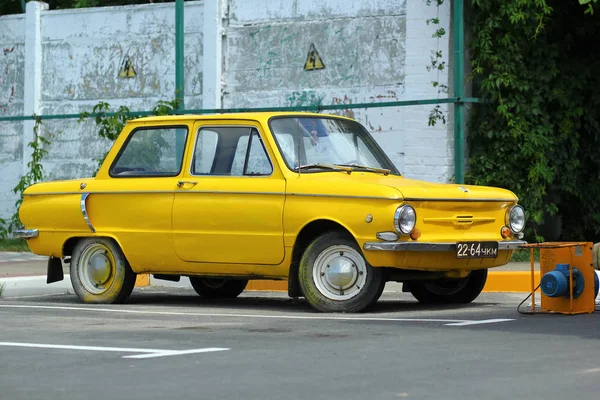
(335, 277)
(213, 288)
(99, 271)
(454, 291)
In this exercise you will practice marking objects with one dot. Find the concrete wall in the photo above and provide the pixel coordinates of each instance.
(245, 53)
(373, 51)
(12, 66)
(83, 52)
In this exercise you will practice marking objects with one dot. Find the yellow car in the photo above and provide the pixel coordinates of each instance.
(226, 198)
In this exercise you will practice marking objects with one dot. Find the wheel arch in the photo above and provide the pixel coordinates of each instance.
(70, 243)
(305, 236)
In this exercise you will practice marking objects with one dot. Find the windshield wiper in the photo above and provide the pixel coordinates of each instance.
(332, 167)
(356, 167)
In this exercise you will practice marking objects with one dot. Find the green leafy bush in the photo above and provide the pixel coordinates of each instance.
(535, 63)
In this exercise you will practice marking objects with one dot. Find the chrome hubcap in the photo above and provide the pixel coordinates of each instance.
(340, 273)
(96, 268)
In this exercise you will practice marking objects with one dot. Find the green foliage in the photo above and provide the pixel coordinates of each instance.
(590, 5)
(539, 130)
(111, 124)
(34, 175)
(165, 107)
(438, 64)
(14, 245)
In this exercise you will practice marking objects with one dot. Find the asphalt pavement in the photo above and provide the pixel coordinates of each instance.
(169, 343)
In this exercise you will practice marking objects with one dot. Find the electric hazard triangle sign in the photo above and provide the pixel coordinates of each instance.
(127, 70)
(313, 60)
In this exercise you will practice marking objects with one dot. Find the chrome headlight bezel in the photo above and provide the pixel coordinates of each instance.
(405, 210)
(513, 215)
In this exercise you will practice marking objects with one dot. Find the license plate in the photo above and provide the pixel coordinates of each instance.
(476, 249)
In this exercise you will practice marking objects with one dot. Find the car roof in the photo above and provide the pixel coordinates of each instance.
(241, 115)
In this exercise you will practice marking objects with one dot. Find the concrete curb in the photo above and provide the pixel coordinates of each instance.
(23, 286)
(498, 281)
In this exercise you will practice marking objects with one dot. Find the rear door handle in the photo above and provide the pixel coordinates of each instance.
(181, 183)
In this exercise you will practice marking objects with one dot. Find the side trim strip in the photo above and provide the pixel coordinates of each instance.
(468, 200)
(432, 246)
(84, 197)
(227, 193)
(344, 196)
(158, 192)
(101, 192)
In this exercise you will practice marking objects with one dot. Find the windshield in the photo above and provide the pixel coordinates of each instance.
(320, 143)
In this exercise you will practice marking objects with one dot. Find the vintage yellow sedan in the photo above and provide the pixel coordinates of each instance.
(227, 198)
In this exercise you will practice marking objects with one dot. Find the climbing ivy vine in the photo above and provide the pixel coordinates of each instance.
(437, 63)
(34, 174)
(537, 134)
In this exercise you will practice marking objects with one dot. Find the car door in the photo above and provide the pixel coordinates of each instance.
(229, 207)
(133, 198)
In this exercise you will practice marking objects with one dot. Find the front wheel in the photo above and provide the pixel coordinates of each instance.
(453, 291)
(100, 273)
(335, 277)
(212, 288)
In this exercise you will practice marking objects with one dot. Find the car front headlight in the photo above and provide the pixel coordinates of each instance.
(516, 219)
(405, 219)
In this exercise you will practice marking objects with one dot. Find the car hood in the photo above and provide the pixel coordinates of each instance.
(419, 190)
(370, 184)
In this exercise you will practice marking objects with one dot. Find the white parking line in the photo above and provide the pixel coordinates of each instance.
(147, 353)
(481, 322)
(448, 322)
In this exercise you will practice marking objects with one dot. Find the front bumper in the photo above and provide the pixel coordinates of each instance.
(25, 233)
(432, 246)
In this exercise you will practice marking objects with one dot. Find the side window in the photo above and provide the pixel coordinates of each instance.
(151, 152)
(232, 151)
(253, 157)
(205, 152)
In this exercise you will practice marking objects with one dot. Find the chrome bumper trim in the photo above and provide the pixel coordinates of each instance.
(431, 246)
(25, 233)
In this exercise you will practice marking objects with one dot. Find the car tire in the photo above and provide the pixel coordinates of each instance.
(450, 291)
(100, 272)
(211, 288)
(335, 277)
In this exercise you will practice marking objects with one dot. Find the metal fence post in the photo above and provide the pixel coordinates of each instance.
(459, 77)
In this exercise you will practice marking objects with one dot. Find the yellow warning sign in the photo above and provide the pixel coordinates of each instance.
(127, 70)
(313, 60)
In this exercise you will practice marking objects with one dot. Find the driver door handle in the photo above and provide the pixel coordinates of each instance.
(181, 183)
